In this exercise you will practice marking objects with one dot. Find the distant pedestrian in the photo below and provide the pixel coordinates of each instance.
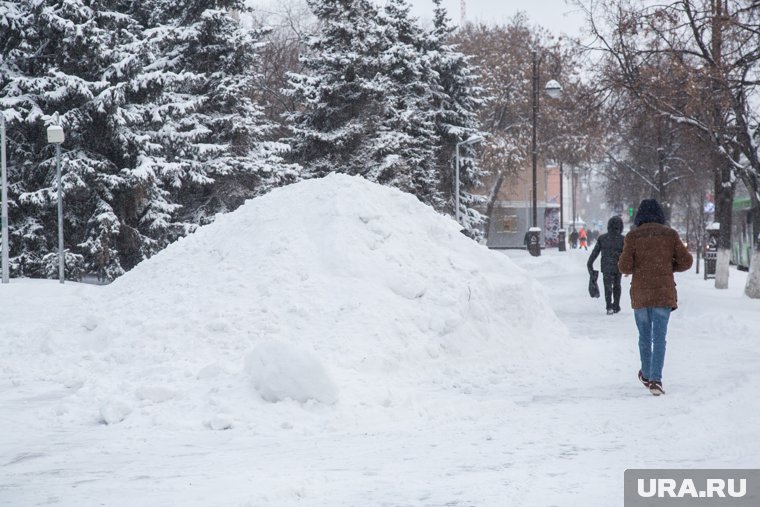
(574, 238)
(610, 245)
(583, 239)
(651, 253)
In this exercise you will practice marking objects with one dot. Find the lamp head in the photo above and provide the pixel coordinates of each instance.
(553, 89)
(55, 134)
(472, 140)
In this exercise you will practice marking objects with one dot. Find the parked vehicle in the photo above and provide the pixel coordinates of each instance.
(742, 233)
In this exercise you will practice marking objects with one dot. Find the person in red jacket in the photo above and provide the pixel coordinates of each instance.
(651, 253)
(583, 238)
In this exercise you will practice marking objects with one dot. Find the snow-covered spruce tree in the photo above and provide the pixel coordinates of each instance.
(408, 135)
(365, 97)
(340, 91)
(157, 101)
(457, 99)
(384, 99)
(53, 56)
(204, 115)
(344, 92)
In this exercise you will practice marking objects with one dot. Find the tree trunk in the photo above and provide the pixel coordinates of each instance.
(724, 186)
(663, 152)
(724, 201)
(752, 288)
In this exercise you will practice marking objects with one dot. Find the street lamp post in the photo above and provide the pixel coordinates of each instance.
(561, 234)
(534, 148)
(554, 90)
(55, 136)
(4, 199)
(561, 198)
(472, 140)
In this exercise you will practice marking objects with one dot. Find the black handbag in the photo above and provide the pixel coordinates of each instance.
(593, 286)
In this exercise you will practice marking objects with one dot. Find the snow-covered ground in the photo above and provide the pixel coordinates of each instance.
(337, 343)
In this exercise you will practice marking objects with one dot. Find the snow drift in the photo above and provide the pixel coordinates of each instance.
(331, 291)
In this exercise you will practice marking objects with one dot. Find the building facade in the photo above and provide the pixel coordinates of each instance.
(512, 213)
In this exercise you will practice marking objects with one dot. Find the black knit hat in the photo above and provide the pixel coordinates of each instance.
(615, 225)
(649, 211)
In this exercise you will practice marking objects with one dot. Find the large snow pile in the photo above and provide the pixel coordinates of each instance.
(336, 293)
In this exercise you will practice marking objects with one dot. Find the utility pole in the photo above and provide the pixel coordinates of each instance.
(534, 148)
(561, 198)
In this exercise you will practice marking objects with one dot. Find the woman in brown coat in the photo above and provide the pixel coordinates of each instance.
(651, 253)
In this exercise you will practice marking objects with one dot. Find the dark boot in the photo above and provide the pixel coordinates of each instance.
(655, 387)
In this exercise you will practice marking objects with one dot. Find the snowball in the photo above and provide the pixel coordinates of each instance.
(220, 422)
(156, 394)
(218, 326)
(209, 371)
(407, 286)
(72, 381)
(281, 371)
(114, 411)
(90, 323)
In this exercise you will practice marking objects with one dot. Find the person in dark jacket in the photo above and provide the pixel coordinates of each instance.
(651, 253)
(610, 245)
(573, 238)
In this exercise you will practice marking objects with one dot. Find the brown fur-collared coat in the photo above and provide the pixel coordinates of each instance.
(651, 253)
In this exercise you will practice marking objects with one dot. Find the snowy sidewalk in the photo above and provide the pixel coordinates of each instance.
(712, 374)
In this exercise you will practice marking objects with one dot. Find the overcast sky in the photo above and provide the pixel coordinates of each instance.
(555, 15)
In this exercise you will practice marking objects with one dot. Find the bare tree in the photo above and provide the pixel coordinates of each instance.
(571, 128)
(288, 24)
(651, 157)
(707, 52)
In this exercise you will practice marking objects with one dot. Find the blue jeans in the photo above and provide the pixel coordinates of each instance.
(653, 326)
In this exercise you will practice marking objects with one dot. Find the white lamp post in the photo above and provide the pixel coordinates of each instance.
(55, 136)
(472, 140)
(5, 200)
